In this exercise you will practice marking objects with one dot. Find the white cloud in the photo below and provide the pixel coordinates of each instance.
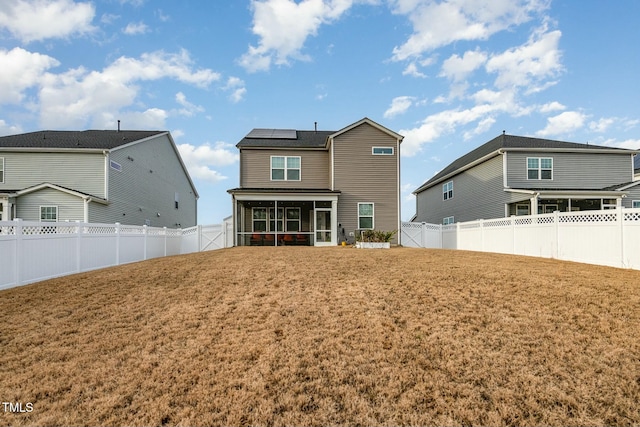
(631, 144)
(602, 125)
(399, 105)
(21, 70)
(134, 28)
(412, 70)
(458, 68)
(188, 109)
(283, 26)
(563, 123)
(437, 24)
(33, 20)
(552, 107)
(237, 89)
(6, 129)
(78, 96)
(201, 160)
(530, 64)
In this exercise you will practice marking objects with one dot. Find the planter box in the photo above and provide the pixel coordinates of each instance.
(373, 245)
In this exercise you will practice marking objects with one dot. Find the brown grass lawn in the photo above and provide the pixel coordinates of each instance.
(326, 336)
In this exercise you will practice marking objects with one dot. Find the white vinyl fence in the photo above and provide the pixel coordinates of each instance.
(34, 251)
(607, 237)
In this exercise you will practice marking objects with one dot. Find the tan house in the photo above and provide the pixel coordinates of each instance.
(317, 188)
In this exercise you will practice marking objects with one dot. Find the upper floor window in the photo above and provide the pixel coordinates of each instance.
(447, 191)
(382, 151)
(1, 170)
(365, 216)
(115, 165)
(448, 220)
(48, 213)
(284, 168)
(539, 168)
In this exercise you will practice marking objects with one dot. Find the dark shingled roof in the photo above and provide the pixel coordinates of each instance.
(304, 139)
(505, 142)
(96, 139)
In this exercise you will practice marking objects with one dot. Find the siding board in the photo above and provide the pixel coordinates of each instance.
(256, 169)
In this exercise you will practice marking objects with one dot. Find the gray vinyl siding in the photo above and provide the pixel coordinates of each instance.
(571, 170)
(146, 187)
(362, 177)
(478, 193)
(82, 172)
(255, 171)
(633, 194)
(70, 207)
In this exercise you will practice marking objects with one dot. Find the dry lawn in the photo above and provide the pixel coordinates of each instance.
(326, 336)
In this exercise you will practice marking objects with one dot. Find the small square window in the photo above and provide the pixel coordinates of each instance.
(635, 204)
(48, 213)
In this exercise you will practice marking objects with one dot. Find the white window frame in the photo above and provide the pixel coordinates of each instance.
(254, 219)
(273, 219)
(635, 204)
(286, 168)
(1, 170)
(372, 216)
(448, 220)
(55, 208)
(382, 151)
(115, 165)
(288, 220)
(447, 190)
(539, 169)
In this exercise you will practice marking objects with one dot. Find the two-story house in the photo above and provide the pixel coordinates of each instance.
(311, 187)
(515, 175)
(103, 176)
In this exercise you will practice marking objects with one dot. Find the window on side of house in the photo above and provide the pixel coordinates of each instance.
(540, 168)
(382, 151)
(448, 220)
(522, 209)
(259, 219)
(275, 222)
(447, 191)
(293, 219)
(635, 204)
(1, 170)
(115, 165)
(285, 168)
(48, 213)
(365, 216)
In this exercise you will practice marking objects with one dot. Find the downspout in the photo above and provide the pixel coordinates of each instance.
(87, 200)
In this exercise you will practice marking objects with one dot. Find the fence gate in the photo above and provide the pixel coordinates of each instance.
(213, 237)
(412, 235)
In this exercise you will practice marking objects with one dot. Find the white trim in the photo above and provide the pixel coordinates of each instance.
(285, 169)
(62, 189)
(539, 168)
(369, 122)
(373, 151)
(47, 206)
(373, 215)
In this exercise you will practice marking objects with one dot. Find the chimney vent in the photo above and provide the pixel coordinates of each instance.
(315, 126)
(118, 125)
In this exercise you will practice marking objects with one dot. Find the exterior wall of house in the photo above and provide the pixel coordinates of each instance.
(255, 170)
(70, 207)
(571, 170)
(634, 194)
(83, 172)
(151, 175)
(366, 178)
(478, 193)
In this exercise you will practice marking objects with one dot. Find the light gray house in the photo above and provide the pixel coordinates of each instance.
(317, 187)
(515, 175)
(104, 176)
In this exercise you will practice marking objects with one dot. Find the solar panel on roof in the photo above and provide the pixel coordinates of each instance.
(272, 134)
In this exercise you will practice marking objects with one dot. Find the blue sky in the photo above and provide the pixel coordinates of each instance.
(449, 75)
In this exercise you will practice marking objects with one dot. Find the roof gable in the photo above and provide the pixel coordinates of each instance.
(87, 139)
(371, 123)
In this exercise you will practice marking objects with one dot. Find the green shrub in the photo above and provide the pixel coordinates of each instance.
(374, 235)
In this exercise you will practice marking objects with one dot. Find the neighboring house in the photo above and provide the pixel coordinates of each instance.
(317, 187)
(636, 168)
(103, 176)
(515, 175)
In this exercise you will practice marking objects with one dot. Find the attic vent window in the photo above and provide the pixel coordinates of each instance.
(115, 165)
(382, 151)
